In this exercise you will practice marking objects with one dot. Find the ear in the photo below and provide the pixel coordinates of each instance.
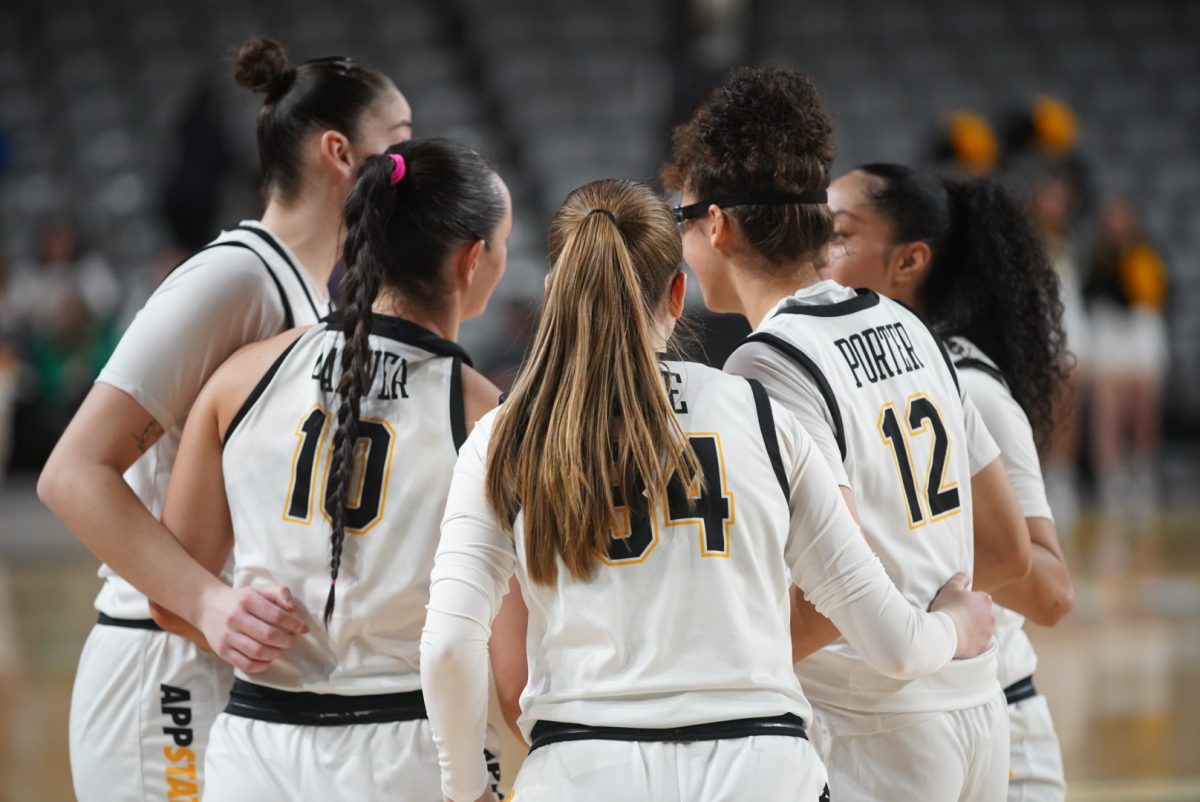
(677, 294)
(909, 262)
(546, 281)
(468, 260)
(335, 151)
(721, 234)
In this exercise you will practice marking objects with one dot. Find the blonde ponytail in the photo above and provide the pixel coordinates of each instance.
(589, 415)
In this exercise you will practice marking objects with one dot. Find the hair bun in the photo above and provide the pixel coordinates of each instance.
(262, 66)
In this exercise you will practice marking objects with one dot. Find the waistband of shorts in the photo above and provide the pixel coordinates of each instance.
(1020, 690)
(128, 623)
(308, 709)
(790, 725)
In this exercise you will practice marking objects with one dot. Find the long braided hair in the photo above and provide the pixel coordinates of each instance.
(398, 236)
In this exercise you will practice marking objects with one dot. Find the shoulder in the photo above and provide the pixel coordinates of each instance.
(233, 382)
(480, 395)
(224, 263)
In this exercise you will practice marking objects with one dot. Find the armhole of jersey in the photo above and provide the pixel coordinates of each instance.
(257, 392)
(766, 422)
(805, 363)
(946, 356)
(458, 404)
(288, 318)
(275, 246)
(971, 363)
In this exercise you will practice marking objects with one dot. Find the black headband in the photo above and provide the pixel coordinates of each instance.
(764, 198)
(604, 212)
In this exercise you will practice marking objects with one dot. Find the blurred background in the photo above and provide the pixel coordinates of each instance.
(124, 145)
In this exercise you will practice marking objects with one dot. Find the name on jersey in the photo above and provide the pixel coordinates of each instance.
(390, 369)
(879, 353)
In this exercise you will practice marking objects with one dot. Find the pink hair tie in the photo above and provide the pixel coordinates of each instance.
(398, 168)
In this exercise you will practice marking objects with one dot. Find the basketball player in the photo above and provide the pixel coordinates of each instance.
(349, 427)
(144, 700)
(650, 509)
(881, 398)
(965, 256)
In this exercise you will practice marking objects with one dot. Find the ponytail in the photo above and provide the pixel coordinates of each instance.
(409, 208)
(589, 413)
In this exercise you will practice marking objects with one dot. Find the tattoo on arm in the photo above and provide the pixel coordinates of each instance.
(148, 436)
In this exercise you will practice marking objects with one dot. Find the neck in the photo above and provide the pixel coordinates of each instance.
(758, 290)
(443, 322)
(312, 227)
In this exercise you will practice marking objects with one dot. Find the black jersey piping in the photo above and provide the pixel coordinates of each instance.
(258, 390)
(971, 363)
(289, 320)
(802, 359)
(766, 422)
(458, 404)
(405, 331)
(863, 299)
(275, 246)
(938, 341)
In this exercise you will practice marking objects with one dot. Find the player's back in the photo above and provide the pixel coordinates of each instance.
(277, 464)
(892, 399)
(686, 621)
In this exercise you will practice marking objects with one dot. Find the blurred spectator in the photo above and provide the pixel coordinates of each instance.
(197, 168)
(966, 144)
(1052, 208)
(1126, 289)
(59, 309)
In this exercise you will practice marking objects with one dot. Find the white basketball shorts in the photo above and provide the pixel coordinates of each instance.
(1036, 758)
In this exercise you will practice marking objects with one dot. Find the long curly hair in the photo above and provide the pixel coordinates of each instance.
(990, 280)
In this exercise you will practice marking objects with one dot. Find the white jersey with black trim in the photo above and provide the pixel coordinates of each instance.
(243, 287)
(277, 463)
(877, 385)
(1009, 425)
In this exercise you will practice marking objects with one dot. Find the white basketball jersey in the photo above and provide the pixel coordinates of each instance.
(163, 367)
(276, 464)
(985, 384)
(688, 618)
(899, 421)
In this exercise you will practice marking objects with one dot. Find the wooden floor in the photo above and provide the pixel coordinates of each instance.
(1122, 674)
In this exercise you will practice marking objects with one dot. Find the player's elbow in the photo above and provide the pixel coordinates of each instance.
(52, 484)
(1056, 607)
(902, 666)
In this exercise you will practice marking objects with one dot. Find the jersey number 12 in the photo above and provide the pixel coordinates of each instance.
(935, 500)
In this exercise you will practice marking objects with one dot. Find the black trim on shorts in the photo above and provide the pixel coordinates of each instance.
(458, 404)
(549, 732)
(1020, 690)
(805, 362)
(257, 392)
(307, 709)
(864, 299)
(275, 246)
(766, 422)
(971, 363)
(129, 623)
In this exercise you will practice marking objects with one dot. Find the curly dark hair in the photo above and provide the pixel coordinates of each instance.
(990, 280)
(762, 129)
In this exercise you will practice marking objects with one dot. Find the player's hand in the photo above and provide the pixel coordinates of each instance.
(250, 627)
(972, 613)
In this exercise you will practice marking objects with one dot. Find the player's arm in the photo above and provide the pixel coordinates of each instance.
(475, 560)
(507, 644)
(812, 631)
(248, 627)
(150, 382)
(845, 581)
(1047, 593)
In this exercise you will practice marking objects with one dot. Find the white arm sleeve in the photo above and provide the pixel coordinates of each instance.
(795, 389)
(208, 308)
(1010, 428)
(981, 448)
(470, 577)
(832, 563)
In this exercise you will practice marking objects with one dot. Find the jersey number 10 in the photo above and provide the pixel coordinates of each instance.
(367, 477)
(937, 500)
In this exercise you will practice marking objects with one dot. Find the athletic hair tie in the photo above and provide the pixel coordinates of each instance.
(398, 168)
(604, 212)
